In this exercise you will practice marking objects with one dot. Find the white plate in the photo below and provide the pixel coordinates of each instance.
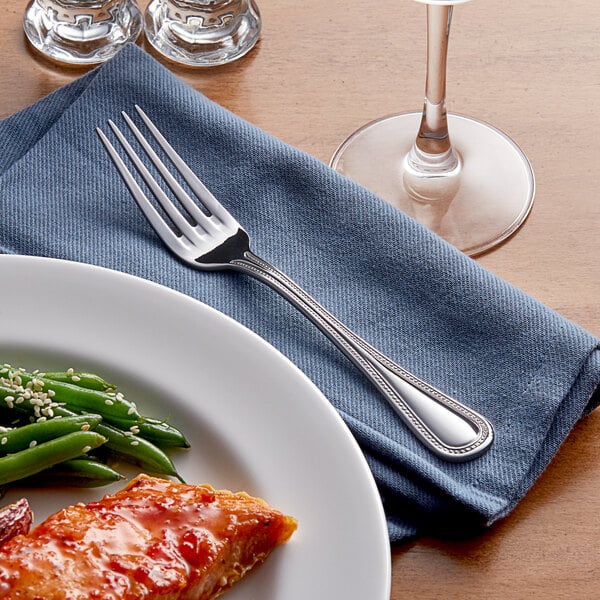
(254, 421)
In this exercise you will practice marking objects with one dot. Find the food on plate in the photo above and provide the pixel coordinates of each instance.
(84, 471)
(15, 519)
(19, 438)
(36, 459)
(156, 538)
(50, 424)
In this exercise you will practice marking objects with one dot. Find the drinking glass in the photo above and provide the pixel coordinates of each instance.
(202, 33)
(81, 32)
(459, 176)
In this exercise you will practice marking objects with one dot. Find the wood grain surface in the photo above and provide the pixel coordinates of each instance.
(532, 69)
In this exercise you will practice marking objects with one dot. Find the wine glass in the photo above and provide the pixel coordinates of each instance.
(459, 176)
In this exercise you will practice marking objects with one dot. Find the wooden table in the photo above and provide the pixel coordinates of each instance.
(530, 68)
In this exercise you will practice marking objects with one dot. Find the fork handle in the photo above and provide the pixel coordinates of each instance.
(448, 428)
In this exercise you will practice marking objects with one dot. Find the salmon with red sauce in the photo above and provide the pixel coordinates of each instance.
(155, 539)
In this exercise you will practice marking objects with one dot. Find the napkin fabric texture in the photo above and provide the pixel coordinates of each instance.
(532, 373)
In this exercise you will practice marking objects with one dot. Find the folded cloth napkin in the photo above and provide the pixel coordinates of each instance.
(414, 297)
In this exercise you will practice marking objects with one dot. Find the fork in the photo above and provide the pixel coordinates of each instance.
(212, 239)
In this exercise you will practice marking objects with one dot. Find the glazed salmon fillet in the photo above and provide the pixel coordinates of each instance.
(155, 539)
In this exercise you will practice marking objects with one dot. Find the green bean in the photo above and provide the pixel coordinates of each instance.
(77, 472)
(33, 406)
(41, 398)
(23, 414)
(161, 433)
(124, 444)
(137, 450)
(90, 381)
(21, 438)
(114, 408)
(43, 456)
(132, 448)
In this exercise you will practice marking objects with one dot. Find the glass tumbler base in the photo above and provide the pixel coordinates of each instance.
(489, 199)
(202, 37)
(79, 36)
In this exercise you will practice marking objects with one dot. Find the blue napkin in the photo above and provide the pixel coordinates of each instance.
(426, 305)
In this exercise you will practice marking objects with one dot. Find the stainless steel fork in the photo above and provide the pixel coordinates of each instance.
(211, 239)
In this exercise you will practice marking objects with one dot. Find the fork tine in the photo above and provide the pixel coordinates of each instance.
(190, 206)
(164, 231)
(180, 221)
(201, 191)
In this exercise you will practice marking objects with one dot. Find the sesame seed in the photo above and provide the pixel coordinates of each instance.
(131, 411)
(134, 429)
(70, 372)
(4, 440)
(85, 427)
(76, 378)
(86, 449)
(108, 402)
(32, 444)
(135, 443)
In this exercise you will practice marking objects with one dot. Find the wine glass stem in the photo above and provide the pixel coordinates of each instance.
(433, 149)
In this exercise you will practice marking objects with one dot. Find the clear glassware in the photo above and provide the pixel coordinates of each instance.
(459, 176)
(202, 33)
(81, 32)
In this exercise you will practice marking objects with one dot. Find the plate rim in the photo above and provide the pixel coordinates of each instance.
(63, 265)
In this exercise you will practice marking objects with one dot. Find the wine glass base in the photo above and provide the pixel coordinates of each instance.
(202, 40)
(78, 38)
(494, 192)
